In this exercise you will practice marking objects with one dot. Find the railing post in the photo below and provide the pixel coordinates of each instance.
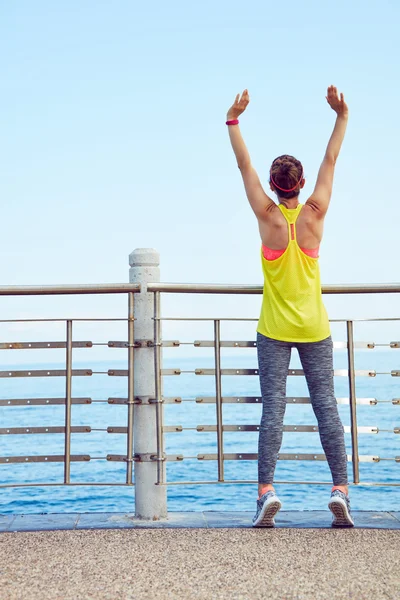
(353, 402)
(158, 386)
(131, 385)
(218, 398)
(150, 498)
(68, 392)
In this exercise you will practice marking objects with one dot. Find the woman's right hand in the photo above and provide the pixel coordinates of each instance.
(337, 104)
(238, 106)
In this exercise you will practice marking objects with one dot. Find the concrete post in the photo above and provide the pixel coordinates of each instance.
(150, 499)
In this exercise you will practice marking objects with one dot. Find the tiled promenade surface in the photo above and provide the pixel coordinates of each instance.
(205, 520)
(204, 556)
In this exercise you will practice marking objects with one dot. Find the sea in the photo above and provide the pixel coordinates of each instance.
(385, 444)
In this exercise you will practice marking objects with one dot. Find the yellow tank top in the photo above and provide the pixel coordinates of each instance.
(292, 308)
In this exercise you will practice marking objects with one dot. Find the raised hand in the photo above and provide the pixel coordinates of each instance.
(337, 104)
(239, 106)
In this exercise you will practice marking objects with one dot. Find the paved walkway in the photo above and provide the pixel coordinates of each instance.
(204, 556)
(204, 520)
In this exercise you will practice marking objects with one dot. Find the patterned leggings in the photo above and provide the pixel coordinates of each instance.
(317, 362)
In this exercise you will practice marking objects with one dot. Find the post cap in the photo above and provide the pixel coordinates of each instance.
(144, 257)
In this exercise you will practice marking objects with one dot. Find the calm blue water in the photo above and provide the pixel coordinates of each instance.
(385, 416)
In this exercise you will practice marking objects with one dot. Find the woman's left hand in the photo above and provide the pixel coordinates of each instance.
(238, 106)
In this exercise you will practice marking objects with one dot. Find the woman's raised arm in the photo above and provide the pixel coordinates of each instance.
(321, 196)
(258, 199)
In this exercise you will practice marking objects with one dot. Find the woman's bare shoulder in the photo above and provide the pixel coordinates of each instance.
(308, 213)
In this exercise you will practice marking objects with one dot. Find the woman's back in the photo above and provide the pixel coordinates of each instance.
(292, 308)
(275, 235)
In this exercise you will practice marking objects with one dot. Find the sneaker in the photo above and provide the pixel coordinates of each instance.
(267, 507)
(339, 505)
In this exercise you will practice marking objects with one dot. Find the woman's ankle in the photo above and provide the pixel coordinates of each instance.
(342, 488)
(263, 488)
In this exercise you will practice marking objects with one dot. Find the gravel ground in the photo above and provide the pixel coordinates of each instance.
(239, 564)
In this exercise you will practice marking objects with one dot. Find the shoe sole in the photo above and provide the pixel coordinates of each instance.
(268, 511)
(338, 508)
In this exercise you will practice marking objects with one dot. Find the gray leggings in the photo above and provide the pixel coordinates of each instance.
(317, 362)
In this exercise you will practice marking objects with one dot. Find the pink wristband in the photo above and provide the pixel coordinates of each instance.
(233, 122)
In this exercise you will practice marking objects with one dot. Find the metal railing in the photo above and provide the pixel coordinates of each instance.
(134, 400)
(220, 428)
(68, 373)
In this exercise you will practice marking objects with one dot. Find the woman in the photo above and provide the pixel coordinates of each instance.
(293, 314)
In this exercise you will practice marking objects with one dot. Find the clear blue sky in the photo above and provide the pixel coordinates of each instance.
(113, 137)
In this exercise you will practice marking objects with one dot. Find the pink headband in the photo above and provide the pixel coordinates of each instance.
(282, 189)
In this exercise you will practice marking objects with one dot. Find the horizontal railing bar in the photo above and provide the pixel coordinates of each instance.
(44, 458)
(118, 372)
(166, 429)
(183, 288)
(167, 372)
(46, 373)
(254, 481)
(118, 401)
(211, 482)
(61, 319)
(45, 430)
(98, 458)
(203, 288)
(175, 400)
(238, 344)
(114, 429)
(206, 319)
(42, 345)
(93, 288)
(258, 399)
(146, 458)
(234, 372)
(149, 344)
(211, 288)
(226, 344)
(255, 320)
(44, 401)
(251, 428)
(246, 428)
(177, 428)
(178, 400)
(13, 485)
(286, 456)
(137, 400)
(250, 456)
(253, 344)
(121, 458)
